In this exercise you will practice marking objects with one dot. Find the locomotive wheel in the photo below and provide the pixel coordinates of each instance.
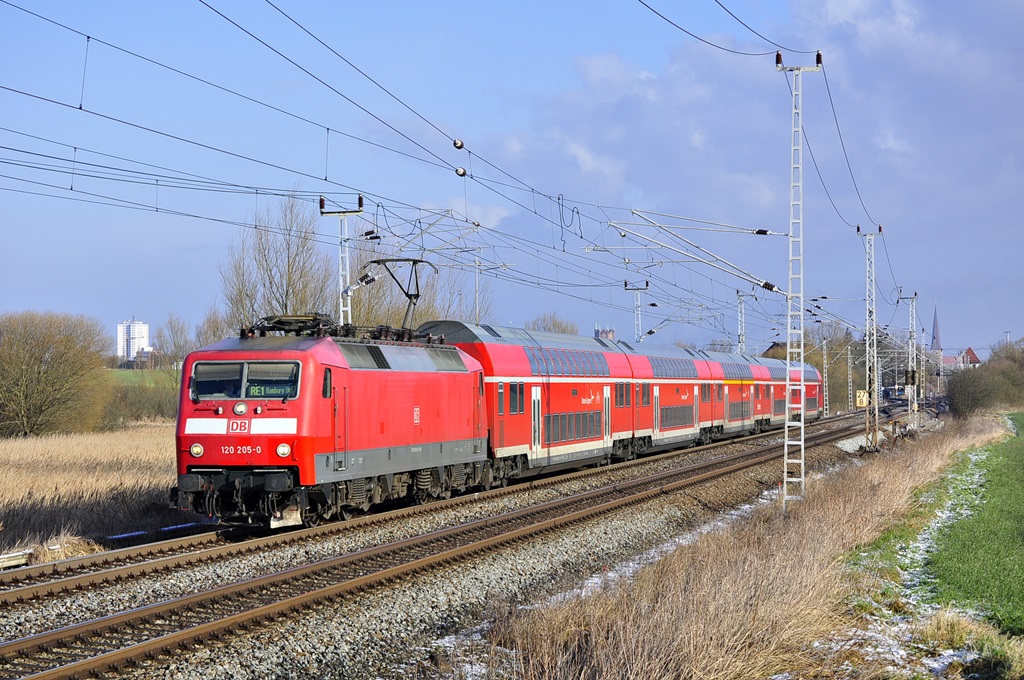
(311, 519)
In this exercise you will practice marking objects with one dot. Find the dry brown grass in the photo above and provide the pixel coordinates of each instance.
(744, 602)
(72, 489)
(998, 656)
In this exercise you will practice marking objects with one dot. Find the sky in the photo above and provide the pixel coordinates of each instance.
(631, 146)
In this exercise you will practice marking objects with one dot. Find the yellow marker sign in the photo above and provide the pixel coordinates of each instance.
(862, 398)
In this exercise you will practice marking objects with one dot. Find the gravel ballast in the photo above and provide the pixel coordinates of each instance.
(379, 632)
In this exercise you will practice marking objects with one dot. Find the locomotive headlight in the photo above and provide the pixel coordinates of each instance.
(196, 450)
(240, 408)
(284, 450)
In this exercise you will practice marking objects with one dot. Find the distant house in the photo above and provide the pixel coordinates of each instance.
(968, 359)
(777, 350)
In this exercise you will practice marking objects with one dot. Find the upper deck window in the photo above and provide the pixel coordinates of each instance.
(246, 380)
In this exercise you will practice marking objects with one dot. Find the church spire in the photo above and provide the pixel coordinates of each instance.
(936, 343)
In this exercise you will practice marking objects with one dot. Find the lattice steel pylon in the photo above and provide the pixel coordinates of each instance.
(344, 271)
(911, 377)
(871, 347)
(794, 467)
(824, 376)
(638, 333)
(849, 378)
(741, 326)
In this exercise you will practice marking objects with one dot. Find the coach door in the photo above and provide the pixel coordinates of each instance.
(537, 418)
(608, 415)
(657, 409)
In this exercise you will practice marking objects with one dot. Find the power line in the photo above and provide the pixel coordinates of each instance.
(842, 143)
(771, 42)
(697, 37)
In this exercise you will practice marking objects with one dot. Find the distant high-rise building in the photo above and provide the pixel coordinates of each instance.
(132, 337)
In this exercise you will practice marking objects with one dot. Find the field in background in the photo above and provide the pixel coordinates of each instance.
(64, 488)
(146, 378)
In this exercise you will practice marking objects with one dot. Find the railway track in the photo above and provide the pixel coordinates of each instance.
(91, 571)
(115, 641)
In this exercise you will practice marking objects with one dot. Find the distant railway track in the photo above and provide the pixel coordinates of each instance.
(114, 641)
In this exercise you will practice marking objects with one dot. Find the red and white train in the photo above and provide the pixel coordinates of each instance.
(295, 421)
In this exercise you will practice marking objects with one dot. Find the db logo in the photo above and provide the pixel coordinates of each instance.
(238, 426)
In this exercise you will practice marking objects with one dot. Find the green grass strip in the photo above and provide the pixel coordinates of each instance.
(980, 559)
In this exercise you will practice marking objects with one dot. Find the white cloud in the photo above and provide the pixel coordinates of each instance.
(888, 141)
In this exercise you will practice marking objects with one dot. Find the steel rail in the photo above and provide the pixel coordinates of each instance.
(76, 637)
(95, 570)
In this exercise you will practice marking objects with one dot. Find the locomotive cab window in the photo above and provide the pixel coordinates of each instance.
(251, 380)
(272, 380)
(217, 381)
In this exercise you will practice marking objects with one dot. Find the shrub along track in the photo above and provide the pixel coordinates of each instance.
(114, 641)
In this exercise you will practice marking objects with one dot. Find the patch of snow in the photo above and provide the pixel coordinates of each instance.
(888, 637)
(855, 444)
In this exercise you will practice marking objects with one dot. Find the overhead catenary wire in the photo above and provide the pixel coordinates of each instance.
(551, 259)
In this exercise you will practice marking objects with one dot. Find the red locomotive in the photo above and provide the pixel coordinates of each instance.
(297, 420)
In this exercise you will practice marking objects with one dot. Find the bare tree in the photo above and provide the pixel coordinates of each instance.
(279, 267)
(213, 328)
(52, 372)
(552, 323)
(174, 341)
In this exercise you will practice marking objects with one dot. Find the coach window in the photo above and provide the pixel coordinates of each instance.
(627, 389)
(718, 392)
(327, 383)
(705, 393)
(501, 399)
